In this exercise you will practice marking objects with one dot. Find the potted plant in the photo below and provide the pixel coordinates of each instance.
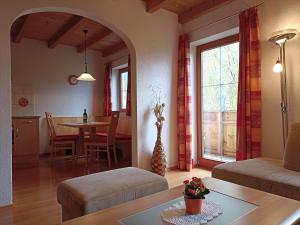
(194, 193)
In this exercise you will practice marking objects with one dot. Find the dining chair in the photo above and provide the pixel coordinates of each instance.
(60, 142)
(104, 144)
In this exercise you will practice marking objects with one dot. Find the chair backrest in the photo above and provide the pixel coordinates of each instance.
(113, 127)
(50, 125)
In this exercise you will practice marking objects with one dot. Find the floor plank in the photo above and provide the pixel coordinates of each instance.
(35, 182)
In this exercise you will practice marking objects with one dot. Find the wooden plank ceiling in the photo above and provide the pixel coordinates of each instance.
(57, 28)
(186, 10)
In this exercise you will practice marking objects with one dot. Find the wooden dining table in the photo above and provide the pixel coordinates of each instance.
(90, 126)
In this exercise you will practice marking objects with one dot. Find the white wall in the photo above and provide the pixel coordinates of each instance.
(274, 15)
(45, 72)
(152, 41)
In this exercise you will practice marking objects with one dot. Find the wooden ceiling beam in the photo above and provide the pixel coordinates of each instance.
(94, 39)
(201, 9)
(18, 32)
(113, 49)
(64, 30)
(154, 5)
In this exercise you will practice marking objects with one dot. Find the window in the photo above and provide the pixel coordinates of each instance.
(123, 87)
(119, 88)
(218, 65)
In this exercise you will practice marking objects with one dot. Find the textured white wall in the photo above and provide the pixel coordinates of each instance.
(46, 71)
(274, 15)
(152, 41)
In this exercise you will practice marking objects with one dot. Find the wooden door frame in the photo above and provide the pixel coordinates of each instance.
(199, 49)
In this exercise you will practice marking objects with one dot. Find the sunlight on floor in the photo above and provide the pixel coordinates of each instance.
(176, 177)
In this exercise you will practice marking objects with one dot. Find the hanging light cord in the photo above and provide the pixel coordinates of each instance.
(85, 33)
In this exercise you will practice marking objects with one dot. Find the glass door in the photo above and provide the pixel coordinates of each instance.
(219, 88)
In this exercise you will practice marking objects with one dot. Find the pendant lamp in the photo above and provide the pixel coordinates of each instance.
(85, 76)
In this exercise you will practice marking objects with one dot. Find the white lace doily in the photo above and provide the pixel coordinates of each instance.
(175, 214)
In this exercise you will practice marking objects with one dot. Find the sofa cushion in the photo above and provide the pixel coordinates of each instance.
(261, 173)
(291, 158)
(82, 195)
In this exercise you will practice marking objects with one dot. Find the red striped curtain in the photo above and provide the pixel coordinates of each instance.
(107, 108)
(249, 89)
(184, 105)
(128, 100)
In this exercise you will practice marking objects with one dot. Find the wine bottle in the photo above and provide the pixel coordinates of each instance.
(84, 116)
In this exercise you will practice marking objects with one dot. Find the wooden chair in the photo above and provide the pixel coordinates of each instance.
(104, 144)
(60, 142)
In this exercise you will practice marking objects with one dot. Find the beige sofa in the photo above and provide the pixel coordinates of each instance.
(280, 177)
(83, 195)
(261, 173)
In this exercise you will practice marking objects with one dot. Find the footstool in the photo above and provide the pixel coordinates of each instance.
(83, 195)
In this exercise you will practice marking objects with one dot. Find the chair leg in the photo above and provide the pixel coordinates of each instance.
(55, 155)
(73, 152)
(108, 156)
(115, 153)
(86, 155)
(52, 152)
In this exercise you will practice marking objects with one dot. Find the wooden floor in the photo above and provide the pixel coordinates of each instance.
(34, 188)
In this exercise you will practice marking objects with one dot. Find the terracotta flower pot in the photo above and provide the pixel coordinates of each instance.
(192, 206)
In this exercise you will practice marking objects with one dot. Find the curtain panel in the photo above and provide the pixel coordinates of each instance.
(249, 88)
(128, 100)
(184, 101)
(107, 107)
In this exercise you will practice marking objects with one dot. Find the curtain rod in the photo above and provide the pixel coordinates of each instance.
(222, 19)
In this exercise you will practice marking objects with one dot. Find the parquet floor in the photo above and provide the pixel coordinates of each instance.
(34, 188)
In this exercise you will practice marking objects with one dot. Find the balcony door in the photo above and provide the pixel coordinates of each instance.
(218, 66)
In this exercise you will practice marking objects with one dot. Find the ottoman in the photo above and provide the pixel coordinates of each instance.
(83, 195)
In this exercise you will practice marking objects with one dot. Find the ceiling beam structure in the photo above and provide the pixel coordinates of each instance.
(201, 9)
(94, 39)
(17, 33)
(113, 49)
(66, 29)
(154, 5)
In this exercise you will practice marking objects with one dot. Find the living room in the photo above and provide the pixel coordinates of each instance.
(151, 31)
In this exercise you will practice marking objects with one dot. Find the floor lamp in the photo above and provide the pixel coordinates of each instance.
(280, 67)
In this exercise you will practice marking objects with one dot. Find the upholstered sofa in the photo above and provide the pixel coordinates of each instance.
(261, 173)
(280, 177)
(83, 195)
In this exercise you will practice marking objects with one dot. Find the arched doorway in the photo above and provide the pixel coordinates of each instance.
(126, 40)
(152, 40)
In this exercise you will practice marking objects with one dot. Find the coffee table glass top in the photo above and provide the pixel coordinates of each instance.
(232, 209)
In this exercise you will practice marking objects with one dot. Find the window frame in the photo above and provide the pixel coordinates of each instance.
(208, 163)
(123, 70)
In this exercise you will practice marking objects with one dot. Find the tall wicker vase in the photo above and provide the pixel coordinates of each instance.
(158, 161)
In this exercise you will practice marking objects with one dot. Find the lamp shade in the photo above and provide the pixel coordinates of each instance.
(86, 77)
(277, 68)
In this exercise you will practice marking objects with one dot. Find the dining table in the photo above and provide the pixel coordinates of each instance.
(90, 127)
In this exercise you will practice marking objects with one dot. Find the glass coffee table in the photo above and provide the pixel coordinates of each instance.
(241, 206)
(232, 209)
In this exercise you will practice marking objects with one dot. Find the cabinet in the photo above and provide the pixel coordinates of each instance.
(25, 135)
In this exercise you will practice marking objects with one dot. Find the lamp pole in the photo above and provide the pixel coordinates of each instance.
(281, 40)
(284, 102)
